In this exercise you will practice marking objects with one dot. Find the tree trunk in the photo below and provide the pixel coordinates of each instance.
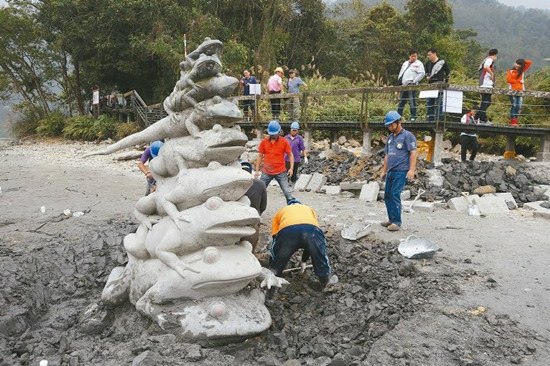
(78, 88)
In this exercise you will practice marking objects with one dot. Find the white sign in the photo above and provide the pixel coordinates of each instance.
(428, 94)
(95, 97)
(255, 89)
(452, 101)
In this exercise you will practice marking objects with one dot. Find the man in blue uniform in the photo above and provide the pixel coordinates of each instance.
(399, 167)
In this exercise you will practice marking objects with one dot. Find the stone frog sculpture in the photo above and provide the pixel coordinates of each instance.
(208, 47)
(189, 122)
(193, 187)
(214, 222)
(220, 85)
(223, 145)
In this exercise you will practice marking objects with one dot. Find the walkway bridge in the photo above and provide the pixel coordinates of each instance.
(363, 109)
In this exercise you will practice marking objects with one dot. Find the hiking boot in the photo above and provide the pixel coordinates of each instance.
(385, 223)
(394, 227)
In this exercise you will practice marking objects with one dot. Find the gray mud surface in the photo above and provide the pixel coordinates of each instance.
(482, 300)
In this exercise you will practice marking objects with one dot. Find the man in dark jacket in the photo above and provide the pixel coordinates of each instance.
(437, 71)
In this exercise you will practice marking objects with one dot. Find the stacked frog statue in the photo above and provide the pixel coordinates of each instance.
(187, 265)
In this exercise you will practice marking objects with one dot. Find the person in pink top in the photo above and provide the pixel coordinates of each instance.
(275, 86)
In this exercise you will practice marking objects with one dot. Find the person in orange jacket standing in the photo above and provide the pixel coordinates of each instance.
(515, 77)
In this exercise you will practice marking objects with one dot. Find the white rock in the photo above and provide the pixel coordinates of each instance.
(78, 214)
(43, 209)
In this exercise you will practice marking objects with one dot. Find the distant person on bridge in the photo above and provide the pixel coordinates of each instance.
(293, 86)
(437, 71)
(515, 79)
(468, 140)
(398, 168)
(487, 80)
(248, 105)
(412, 72)
(275, 86)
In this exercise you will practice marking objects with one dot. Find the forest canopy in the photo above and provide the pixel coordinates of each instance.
(53, 52)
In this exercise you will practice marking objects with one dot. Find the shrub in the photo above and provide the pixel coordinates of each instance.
(126, 129)
(89, 128)
(52, 125)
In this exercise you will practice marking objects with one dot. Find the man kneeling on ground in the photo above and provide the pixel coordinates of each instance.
(296, 227)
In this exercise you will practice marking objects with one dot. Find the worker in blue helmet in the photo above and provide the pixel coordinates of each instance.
(299, 151)
(272, 151)
(399, 167)
(150, 153)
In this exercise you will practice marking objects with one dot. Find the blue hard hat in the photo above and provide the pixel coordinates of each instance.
(155, 147)
(295, 126)
(293, 201)
(391, 117)
(246, 166)
(273, 128)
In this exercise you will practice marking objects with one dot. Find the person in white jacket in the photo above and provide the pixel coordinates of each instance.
(412, 72)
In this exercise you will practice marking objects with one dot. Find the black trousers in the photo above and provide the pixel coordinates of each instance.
(484, 105)
(294, 177)
(468, 143)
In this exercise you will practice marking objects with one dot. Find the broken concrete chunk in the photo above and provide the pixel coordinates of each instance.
(417, 248)
(355, 231)
(316, 183)
(333, 190)
(302, 182)
(369, 192)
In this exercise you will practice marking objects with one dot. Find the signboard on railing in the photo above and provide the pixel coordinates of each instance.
(95, 97)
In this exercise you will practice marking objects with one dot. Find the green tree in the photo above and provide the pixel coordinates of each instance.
(26, 64)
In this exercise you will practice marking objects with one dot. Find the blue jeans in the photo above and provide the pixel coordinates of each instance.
(407, 96)
(282, 179)
(434, 107)
(395, 182)
(308, 237)
(517, 101)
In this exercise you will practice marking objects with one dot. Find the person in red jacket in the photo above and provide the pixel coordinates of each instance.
(514, 77)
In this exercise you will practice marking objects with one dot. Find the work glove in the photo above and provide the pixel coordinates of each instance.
(303, 267)
(305, 160)
(270, 280)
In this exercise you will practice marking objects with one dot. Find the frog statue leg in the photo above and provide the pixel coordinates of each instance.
(166, 252)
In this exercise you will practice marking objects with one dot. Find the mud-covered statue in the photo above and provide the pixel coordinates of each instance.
(188, 266)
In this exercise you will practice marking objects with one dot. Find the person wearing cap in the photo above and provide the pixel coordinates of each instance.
(293, 86)
(275, 86)
(257, 194)
(295, 227)
(150, 153)
(272, 151)
(298, 148)
(398, 168)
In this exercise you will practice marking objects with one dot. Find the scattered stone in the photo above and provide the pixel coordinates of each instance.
(369, 192)
(485, 190)
(405, 195)
(461, 204)
(316, 183)
(491, 204)
(342, 140)
(333, 190)
(302, 182)
(417, 248)
(352, 186)
(194, 353)
(147, 358)
(355, 231)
